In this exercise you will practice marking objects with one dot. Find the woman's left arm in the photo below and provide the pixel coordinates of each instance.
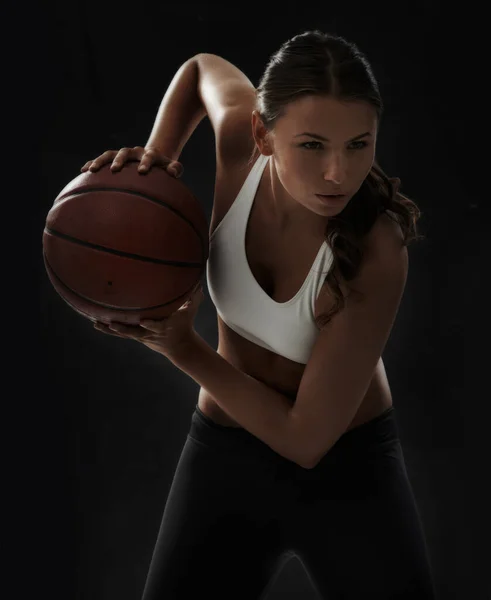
(261, 410)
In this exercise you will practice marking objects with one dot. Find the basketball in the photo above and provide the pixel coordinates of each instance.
(124, 246)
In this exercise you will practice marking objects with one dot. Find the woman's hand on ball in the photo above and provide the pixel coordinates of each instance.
(169, 336)
(148, 156)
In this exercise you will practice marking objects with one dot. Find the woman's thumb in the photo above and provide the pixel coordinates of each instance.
(176, 168)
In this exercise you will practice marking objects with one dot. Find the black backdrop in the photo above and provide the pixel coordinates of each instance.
(104, 419)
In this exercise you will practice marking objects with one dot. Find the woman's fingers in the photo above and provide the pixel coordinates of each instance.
(124, 331)
(105, 329)
(120, 158)
(148, 157)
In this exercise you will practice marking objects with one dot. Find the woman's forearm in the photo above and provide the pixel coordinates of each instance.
(180, 112)
(264, 412)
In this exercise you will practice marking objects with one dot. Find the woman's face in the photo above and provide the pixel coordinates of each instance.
(305, 165)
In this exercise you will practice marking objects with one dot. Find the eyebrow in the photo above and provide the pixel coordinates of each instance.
(319, 137)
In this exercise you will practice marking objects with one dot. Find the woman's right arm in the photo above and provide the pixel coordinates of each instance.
(205, 85)
(180, 112)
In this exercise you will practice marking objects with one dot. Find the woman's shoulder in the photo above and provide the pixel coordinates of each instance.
(386, 229)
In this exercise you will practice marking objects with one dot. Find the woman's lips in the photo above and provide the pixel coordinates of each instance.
(331, 199)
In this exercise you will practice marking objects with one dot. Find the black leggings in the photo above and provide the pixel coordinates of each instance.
(237, 511)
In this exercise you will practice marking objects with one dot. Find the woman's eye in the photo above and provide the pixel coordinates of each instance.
(307, 143)
(363, 145)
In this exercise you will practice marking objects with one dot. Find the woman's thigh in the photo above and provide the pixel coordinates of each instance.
(358, 532)
(218, 534)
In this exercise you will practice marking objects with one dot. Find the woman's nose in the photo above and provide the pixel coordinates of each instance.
(335, 171)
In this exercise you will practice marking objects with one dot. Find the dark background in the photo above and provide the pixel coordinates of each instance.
(104, 420)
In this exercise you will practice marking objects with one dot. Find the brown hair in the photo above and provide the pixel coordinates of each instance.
(317, 63)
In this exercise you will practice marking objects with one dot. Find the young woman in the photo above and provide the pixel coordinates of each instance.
(293, 448)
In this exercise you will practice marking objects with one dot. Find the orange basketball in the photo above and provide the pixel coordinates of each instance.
(124, 246)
